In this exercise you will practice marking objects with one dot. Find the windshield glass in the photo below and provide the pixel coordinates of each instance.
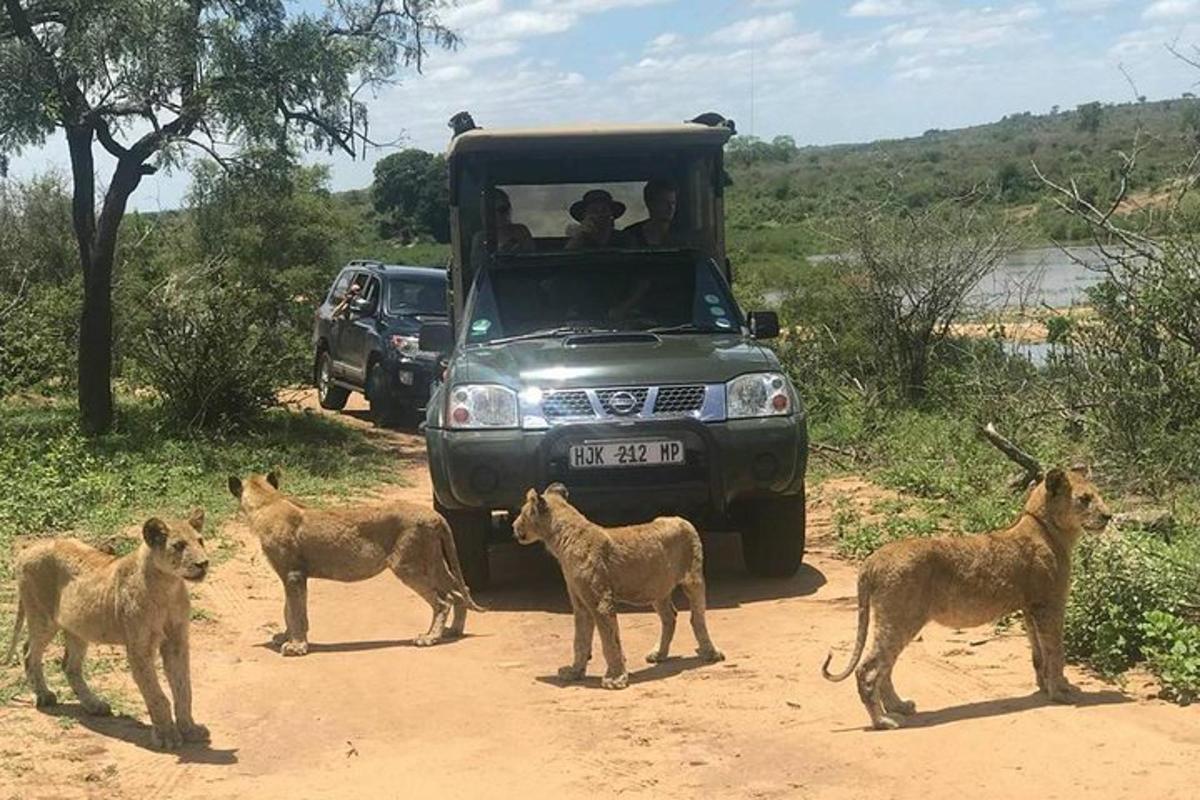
(672, 296)
(410, 295)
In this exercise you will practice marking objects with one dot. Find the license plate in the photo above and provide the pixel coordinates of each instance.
(626, 454)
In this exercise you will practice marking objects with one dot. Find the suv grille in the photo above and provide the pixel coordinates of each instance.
(679, 399)
(571, 403)
(623, 402)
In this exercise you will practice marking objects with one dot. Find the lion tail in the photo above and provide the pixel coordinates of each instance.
(12, 646)
(450, 553)
(864, 617)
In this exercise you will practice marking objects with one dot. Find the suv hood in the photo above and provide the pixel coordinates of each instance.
(673, 358)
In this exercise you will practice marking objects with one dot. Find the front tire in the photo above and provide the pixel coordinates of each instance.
(470, 528)
(331, 396)
(773, 533)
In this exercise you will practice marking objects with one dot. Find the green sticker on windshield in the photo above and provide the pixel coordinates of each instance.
(711, 298)
(481, 326)
(724, 323)
(716, 311)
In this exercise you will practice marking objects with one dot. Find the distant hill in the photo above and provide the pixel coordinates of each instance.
(779, 183)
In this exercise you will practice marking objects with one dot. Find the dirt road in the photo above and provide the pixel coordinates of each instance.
(367, 715)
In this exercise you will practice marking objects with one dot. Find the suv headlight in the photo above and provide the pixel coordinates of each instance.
(759, 394)
(482, 406)
(406, 345)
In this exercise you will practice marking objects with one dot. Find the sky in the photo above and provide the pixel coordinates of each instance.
(821, 71)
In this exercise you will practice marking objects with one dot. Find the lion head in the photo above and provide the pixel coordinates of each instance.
(176, 546)
(537, 515)
(1068, 500)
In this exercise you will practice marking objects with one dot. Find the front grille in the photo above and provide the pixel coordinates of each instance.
(571, 403)
(605, 396)
(679, 400)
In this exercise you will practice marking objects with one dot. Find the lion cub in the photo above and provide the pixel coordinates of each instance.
(353, 544)
(964, 581)
(639, 565)
(139, 601)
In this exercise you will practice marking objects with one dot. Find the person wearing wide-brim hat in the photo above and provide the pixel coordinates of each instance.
(596, 213)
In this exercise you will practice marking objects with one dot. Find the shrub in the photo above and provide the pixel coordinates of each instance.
(204, 348)
(1172, 650)
(1117, 581)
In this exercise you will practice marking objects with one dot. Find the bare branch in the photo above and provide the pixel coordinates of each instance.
(1033, 468)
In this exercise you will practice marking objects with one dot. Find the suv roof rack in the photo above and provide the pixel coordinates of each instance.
(364, 262)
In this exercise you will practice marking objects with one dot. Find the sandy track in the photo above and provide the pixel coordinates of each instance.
(367, 715)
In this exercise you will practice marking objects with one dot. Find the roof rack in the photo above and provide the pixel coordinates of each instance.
(363, 262)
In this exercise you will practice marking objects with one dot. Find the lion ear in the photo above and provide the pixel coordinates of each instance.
(1082, 470)
(196, 519)
(1057, 483)
(155, 532)
(558, 489)
(273, 477)
(235, 486)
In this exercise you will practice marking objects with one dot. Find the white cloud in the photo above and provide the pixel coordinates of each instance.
(1085, 6)
(525, 23)
(916, 74)
(595, 6)
(755, 29)
(1171, 9)
(882, 8)
(664, 42)
(775, 3)
(470, 13)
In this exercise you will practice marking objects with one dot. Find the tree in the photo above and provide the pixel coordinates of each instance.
(915, 272)
(411, 193)
(1090, 116)
(146, 78)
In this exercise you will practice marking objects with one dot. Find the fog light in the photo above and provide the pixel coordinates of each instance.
(765, 466)
(484, 479)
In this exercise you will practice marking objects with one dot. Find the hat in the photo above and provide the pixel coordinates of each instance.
(591, 196)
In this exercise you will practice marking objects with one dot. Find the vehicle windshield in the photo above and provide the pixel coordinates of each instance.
(411, 295)
(679, 295)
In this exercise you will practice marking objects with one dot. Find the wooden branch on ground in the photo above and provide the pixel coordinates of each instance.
(1033, 468)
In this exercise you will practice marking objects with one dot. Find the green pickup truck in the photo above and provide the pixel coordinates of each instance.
(609, 356)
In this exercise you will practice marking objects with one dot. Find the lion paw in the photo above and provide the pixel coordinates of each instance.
(571, 673)
(98, 708)
(294, 649)
(165, 737)
(1062, 692)
(711, 655)
(45, 699)
(887, 723)
(904, 707)
(426, 640)
(194, 733)
(615, 682)
(656, 656)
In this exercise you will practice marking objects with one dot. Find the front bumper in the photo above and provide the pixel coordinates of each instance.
(411, 379)
(724, 463)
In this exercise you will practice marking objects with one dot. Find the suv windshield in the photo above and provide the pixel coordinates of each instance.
(416, 296)
(667, 296)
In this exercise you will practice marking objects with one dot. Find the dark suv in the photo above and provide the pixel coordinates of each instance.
(370, 343)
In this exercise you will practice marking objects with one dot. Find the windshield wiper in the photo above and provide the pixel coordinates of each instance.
(550, 333)
(687, 327)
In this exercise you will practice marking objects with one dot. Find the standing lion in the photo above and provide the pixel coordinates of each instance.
(639, 564)
(965, 581)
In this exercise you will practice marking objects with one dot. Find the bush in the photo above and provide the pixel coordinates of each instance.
(1117, 581)
(205, 350)
(1172, 650)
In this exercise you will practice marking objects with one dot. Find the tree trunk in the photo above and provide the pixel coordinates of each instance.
(97, 249)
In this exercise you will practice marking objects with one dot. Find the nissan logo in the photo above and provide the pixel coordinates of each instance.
(622, 403)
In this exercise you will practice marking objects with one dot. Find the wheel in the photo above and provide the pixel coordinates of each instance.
(470, 528)
(329, 395)
(385, 411)
(773, 535)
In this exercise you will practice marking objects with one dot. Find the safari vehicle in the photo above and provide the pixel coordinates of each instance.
(672, 406)
(371, 346)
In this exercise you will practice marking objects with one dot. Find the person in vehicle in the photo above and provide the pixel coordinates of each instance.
(352, 291)
(660, 197)
(511, 237)
(596, 212)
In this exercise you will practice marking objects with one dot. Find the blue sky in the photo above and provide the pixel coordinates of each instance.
(822, 71)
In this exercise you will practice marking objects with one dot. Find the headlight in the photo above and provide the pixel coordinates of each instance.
(482, 406)
(759, 394)
(406, 345)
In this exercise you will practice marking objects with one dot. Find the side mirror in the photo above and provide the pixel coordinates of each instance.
(436, 337)
(763, 324)
(361, 305)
